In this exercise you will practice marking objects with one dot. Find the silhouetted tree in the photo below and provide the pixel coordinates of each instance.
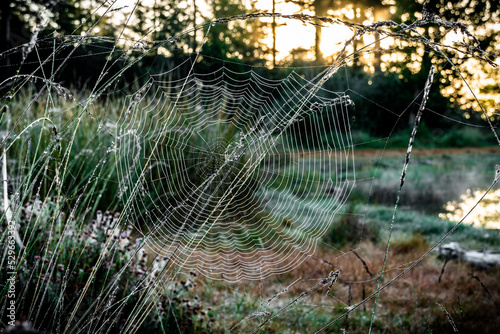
(19, 19)
(320, 8)
(235, 40)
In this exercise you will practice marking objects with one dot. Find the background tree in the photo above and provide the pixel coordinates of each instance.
(17, 19)
(320, 8)
(235, 40)
(369, 10)
(162, 19)
(20, 19)
(480, 18)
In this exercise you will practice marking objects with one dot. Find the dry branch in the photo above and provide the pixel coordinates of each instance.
(484, 259)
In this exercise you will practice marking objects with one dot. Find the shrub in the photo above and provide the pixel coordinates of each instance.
(349, 230)
(58, 262)
(416, 244)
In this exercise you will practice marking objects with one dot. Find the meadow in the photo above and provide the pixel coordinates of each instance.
(66, 233)
(355, 244)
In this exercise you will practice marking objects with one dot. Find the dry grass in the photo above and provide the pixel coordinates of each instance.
(409, 305)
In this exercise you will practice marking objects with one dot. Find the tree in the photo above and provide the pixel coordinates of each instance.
(235, 40)
(320, 8)
(480, 18)
(20, 18)
(363, 10)
(273, 28)
(15, 18)
(162, 20)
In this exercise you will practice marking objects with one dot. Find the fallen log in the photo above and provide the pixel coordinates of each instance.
(483, 259)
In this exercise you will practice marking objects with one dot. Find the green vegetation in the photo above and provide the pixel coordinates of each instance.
(410, 223)
(427, 138)
(55, 268)
(61, 259)
(62, 221)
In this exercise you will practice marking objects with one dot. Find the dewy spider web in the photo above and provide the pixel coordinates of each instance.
(228, 190)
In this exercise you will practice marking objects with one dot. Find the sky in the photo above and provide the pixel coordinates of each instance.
(292, 34)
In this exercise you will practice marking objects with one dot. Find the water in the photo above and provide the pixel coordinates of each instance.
(486, 214)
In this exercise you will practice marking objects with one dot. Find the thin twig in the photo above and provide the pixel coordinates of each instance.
(480, 282)
(363, 262)
(442, 270)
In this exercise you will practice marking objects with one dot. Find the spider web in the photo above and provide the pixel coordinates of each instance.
(220, 168)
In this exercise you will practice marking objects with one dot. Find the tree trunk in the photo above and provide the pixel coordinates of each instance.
(274, 34)
(317, 41)
(195, 9)
(378, 54)
(320, 9)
